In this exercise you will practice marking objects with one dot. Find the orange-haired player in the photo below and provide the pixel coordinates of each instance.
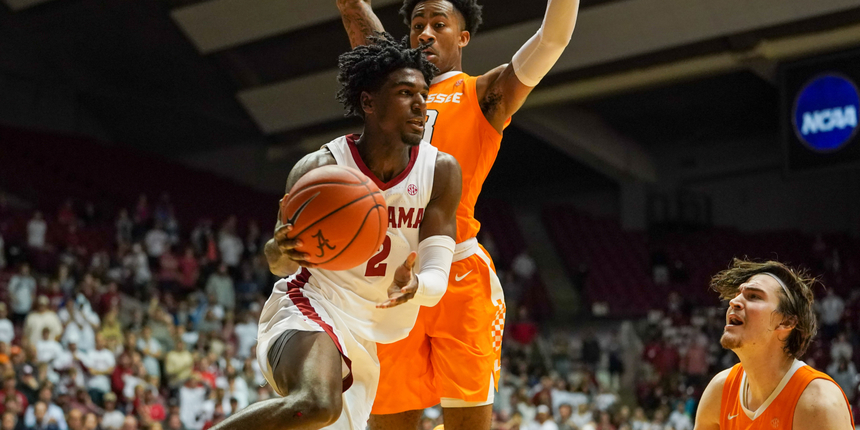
(452, 354)
(769, 324)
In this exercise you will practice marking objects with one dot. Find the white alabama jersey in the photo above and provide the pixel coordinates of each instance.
(353, 294)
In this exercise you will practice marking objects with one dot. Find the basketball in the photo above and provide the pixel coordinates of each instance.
(339, 214)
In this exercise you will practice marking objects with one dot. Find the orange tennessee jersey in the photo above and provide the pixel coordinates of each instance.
(456, 125)
(777, 412)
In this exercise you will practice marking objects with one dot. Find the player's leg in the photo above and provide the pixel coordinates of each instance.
(406, 381)
(307, 368)
(466, 343)
(408, 420)
(475, 417)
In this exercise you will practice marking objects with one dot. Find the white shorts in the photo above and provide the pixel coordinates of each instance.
(295, 311)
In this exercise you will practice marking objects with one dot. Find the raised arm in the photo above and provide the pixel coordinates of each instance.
(436, 237)
(503, 90)
(282, 258)
(358, 20)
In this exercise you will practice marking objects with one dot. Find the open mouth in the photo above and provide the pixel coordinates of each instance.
(734, 320)
(417, 123)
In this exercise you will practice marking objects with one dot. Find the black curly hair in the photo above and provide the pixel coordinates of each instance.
(366, 67)
(470, 9)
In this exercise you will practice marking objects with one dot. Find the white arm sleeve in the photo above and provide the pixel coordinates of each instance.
(435, 255)
(534, 60)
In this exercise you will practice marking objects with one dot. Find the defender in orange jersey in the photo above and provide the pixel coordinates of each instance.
(452, 354)
(769, 324)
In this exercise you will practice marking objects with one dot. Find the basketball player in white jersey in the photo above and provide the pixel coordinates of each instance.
(318, 330)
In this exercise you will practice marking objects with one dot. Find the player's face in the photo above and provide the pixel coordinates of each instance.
(751, 318)
(438, 22)
(400, 106)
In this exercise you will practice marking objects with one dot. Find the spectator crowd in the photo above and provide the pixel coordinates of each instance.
(148, 326)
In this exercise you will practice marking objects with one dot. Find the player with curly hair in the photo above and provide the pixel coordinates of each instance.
(770, 322)
(454, 350)
(319, 329)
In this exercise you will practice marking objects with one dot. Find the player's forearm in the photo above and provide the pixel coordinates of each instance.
(535, 59)
(279, 264)
(435, 254)
(359, 21)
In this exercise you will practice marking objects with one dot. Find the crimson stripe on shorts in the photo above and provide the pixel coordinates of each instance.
(294, 291)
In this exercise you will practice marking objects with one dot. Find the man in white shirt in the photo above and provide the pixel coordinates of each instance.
(543, 420)
(679, 420)
(22, 290)
(246, 333)
(54, 412)
(42, 318)
(7, 330)
(157, 241)
(36, 231)
(112, 419)
(230, 245)
(192, 396)
(47, 348)
(80, 321)
(151, 350)
(100, 364)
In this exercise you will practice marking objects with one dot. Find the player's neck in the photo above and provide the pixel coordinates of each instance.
(384, 155)
(764, 370)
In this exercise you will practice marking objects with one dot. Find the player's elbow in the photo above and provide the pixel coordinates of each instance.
(554, 42)
(349, 5)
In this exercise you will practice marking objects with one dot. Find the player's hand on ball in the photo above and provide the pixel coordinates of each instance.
(405, 284)
(288, 246)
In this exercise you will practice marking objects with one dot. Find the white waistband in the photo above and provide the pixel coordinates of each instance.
(466, 249)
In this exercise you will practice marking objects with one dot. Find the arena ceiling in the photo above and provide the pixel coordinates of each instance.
(183, 76)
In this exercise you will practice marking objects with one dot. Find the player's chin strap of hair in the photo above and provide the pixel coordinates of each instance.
(435, 255)
(781, 284)
(534, 60)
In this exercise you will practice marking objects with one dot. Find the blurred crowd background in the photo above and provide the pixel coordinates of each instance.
(157, 330)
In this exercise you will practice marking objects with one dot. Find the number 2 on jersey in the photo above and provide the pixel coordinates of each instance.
(375, 266)
(429, 123)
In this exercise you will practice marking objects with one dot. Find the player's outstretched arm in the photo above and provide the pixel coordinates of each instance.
(708, 413)
(822, 406)
(280, 251)
(436, 237)
(359, 21)
(503, 90)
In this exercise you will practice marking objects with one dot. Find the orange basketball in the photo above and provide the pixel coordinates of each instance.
(339, 214)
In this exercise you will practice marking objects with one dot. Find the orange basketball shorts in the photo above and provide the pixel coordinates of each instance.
(452, 354)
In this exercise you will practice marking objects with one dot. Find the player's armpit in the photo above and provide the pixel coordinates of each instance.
(822, 406)
(708, 413)
(359, 21)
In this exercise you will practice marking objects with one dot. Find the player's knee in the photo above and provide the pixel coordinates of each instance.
(322, 409)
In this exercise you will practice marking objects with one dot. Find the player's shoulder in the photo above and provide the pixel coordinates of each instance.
(715, 387)
(320, 157)
(708, 413)
(822, 405)
(446, 163)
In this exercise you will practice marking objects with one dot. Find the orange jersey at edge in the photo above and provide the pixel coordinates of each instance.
(778, 415)
(456, 125)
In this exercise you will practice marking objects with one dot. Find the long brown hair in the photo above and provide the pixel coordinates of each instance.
(799, 307)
